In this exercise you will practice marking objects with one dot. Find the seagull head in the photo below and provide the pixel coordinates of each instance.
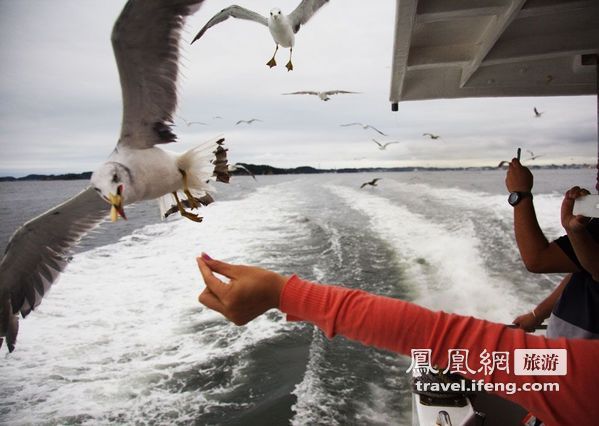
(275, 13)
(112, 181)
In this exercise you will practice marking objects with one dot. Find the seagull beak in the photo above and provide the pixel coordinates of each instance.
(116, 202)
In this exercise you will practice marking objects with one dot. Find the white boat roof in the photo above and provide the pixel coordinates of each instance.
(492, 48)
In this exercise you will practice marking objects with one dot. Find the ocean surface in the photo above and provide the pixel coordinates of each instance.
(121, 338)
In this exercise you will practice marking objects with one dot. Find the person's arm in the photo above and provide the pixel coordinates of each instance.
(538, 254)
(531, 320)
(585, 247)
(401, 326)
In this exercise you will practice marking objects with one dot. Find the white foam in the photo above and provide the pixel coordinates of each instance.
(443, 261)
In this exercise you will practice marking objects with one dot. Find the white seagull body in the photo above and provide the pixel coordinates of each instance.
(145, 40)
(364, 126)
(282, 27)
(324, 96)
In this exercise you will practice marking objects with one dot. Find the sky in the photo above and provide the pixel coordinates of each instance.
(60, 100)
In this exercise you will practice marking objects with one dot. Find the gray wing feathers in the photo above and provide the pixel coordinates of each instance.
(235, 12)
(145, 40)
(36, 254)
(303, 12)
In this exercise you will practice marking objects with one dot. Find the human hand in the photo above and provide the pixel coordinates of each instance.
(528, 322)
(518, 177)
(251, 291)
(570, 222)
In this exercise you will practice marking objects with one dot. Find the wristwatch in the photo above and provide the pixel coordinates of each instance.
(515, 197)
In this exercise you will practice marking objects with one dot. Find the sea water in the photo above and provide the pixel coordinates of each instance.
(121, 338)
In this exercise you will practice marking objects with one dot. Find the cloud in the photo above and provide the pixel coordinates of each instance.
(61, 109)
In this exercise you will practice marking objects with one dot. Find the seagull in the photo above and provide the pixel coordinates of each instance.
(325, 96)
(190, 123)
(145, 40)
(364, 126)
(532, 155)
(282, 27)
(372, 182)
(537, 113)
(239, 166)
(503, 163)
(430, 135)
(250, 121)
(383, 146)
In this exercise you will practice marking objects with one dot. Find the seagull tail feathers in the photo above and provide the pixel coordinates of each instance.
(9, 325)
(201, 165)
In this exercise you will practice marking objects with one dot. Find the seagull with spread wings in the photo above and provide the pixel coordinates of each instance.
(538, 113)
(432, 136)
(145, 40)
(238, 166)
(324, 96)
(282, 27)
(250, 121)
(364, 126)
(383, 146)
(371, 183)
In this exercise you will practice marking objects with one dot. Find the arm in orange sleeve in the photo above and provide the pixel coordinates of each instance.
(401, 326)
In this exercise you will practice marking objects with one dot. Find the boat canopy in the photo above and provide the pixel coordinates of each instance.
(492, 48)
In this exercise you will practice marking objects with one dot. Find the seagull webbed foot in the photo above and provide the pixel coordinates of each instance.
(289, 66)
(185, 213)
(272, 62)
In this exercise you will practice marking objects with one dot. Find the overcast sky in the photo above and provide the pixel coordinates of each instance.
(60, 101)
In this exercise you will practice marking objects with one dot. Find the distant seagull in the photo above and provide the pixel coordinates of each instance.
(372, 182)
(250, 121)
(383, 146)
(190, 123)
(537, 113)
(237, 166)
(503, 163)
(430, 135)
(145, 40)
(532, 155)
(365, 127)
(282, 27)
(217, 117)
(325, 96)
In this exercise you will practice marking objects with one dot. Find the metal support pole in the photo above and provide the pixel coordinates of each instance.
(594, 60)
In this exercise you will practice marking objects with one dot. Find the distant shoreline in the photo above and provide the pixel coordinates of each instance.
(269, 170)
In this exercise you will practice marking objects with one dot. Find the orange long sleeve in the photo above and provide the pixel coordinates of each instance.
(400, 326)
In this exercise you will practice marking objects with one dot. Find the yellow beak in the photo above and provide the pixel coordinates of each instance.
(116, 208)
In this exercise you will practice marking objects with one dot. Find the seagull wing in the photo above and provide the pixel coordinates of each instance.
(145, 40)
(391, 143)
(235, 12)
(303, 92)
(248, 171)
(37, 253)
(375, 129)
(350, 124)
(337, 92)
(377, 142)
(303, 12)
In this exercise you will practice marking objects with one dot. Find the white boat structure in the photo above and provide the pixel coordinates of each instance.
(447, 49)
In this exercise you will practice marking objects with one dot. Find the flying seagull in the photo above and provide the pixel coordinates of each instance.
(364, 126)
(325, 96)
(190, 123)
(537, 112)
(503, 163)
(532, 155)
(145, 40)
(372, 182)
(250, 121)
(383, 146)
(282, 27)
(430, 135)
(238, 166)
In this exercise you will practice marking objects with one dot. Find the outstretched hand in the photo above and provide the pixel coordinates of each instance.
(250, 292)
(528, 321)
(570, 222)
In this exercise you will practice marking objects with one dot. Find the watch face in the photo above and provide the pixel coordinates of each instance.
(513, 198)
